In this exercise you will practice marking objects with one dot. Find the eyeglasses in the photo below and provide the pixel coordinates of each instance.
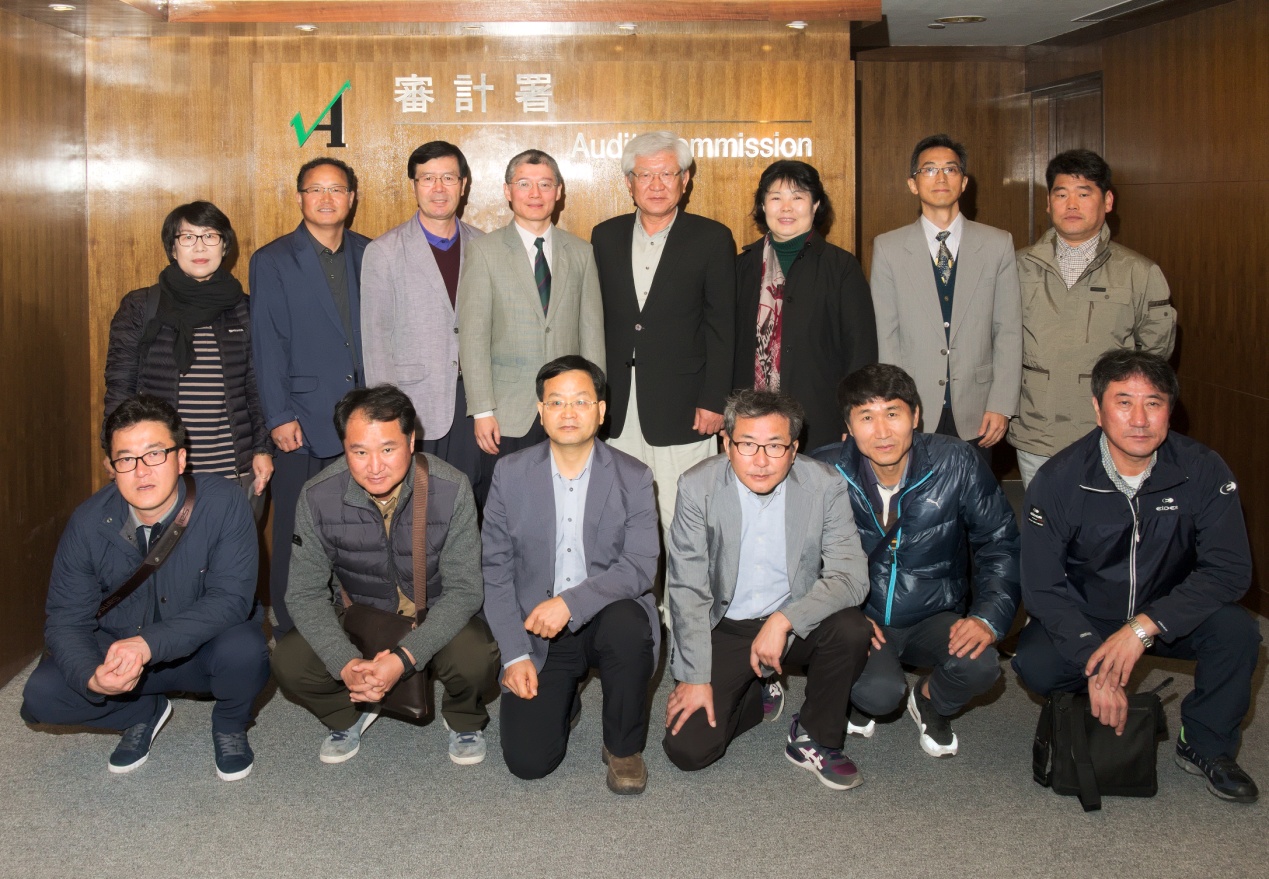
(946, 171)
(749, 449)
(333, 190)
(430, 179)
(524, 184)
(643, 178)
(578, 405)
(187, 239)
(152, 458)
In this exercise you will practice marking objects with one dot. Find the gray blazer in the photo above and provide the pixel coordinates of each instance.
(985, 350)
(504, 336)
(409, 330)
(619, 535)
(827, 567)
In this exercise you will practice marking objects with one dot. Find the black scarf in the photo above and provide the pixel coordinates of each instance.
(185, 304)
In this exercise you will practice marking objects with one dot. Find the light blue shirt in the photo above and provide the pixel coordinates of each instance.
(570, 508)
(762, 582)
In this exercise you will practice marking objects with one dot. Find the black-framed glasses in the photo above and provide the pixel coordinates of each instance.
(152, 458)
(749, 449)
(187, 239)
(946, 171)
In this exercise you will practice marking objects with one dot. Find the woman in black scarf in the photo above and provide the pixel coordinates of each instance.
(187, 340)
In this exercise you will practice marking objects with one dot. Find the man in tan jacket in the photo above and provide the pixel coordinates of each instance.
(1082, 295)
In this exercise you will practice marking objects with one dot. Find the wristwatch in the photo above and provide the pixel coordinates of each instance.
(410, 670)
(1141, 633)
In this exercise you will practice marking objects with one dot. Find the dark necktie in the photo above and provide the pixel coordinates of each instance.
(542, 274)
(155, 530)
(945, 261)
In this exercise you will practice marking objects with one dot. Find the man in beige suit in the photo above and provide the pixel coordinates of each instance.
(945, 292)
(529, 293)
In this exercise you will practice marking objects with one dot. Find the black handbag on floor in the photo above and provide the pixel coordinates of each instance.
(372, 630)
(1078, 755)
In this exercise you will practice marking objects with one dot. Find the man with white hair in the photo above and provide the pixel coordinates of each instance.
(668, 283)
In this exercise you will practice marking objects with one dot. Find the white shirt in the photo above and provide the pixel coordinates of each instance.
(953, 239)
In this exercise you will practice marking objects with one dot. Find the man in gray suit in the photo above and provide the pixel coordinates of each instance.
(765, 567)
(945, 292)
(409, 322)
(571, 591)
(529, 293)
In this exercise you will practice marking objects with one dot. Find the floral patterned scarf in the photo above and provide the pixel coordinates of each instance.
(766, 367)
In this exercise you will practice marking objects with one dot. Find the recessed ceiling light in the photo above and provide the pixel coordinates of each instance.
(61, 7)
(961, 19)
(307, 28)
(473, 27)
(797, 25)
(935, 26)
(628, 27)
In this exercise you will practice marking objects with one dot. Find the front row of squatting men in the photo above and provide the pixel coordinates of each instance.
(766, 568)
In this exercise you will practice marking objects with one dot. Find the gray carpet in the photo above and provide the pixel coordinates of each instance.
(401, 808)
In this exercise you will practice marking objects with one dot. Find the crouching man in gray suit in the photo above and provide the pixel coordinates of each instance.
(765, 567)
(570, 548)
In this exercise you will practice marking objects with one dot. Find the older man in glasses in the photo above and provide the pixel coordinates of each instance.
(189, 626)
(765, 568)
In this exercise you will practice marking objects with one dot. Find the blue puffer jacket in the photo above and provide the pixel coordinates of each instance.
(919, 566)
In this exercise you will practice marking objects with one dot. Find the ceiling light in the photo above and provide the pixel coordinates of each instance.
(628, 27)
(307, 28)
(797, 25)
(935, 26)
(473, 28)
(61, 7)
(960, 19)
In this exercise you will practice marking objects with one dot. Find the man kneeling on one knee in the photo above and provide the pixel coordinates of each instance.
(354, 529)
(570, 548)
(1133, 542)
(765, 569)
(920, 499)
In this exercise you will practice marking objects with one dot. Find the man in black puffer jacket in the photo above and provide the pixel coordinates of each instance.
(920, 500)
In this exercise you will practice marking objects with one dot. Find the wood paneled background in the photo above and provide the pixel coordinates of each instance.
(46, 446)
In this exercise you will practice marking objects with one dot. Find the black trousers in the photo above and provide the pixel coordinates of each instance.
(834, 655)
(290, 471)
(1224, 648)
(508, 444)
(947, 427)
(458, 446)
(954, 680)
(618, 642)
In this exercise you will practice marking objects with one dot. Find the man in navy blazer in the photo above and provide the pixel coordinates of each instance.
(306, 343)
(570, 548)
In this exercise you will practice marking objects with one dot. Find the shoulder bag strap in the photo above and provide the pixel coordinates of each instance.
(1040, 747)
(1090, 796)
(158, 553)
(419, 534)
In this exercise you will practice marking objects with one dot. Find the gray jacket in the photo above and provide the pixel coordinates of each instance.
(1121, 301)
(827, 567)
(340, 541)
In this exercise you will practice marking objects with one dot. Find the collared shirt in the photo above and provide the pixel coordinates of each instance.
(1129, 485)
(1072, 260)
(130, 534)
(570, 509)
(762, 580)
(335, 268)
(884, 494)
(388, 508)
(528, 238)
(645, 255)
(953, 239)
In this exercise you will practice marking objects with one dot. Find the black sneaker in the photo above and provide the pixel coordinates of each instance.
(1225, 778)
(937, 738)
(134, 745)
(234, 757)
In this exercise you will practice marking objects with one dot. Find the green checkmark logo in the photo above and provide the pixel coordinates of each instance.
(302, 133)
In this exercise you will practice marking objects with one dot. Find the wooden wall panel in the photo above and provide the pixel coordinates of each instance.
(1187, 116)
(981, 104)
(46, 445)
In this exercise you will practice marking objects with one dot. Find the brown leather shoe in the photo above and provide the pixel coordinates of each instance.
(626, 775)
